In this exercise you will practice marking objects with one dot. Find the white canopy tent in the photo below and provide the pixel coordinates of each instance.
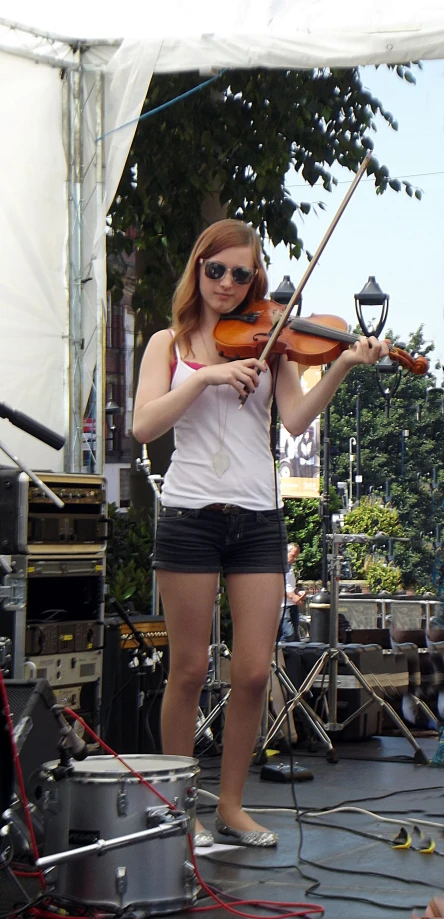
(70, 80)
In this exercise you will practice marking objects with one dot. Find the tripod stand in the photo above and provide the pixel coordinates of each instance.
(214, 685)
(328, 665)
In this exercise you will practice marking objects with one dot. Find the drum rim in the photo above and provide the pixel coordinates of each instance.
(179, 766)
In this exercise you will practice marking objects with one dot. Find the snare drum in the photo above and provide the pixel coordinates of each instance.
(101, 800)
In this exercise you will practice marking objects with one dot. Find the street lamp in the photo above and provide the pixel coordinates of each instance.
(112, 409)
(282, 295)
(372, 295)
(352, 442)
(404, 434)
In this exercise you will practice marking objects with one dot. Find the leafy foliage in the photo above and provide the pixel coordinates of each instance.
(128, 564)
(236, 143)
(369, 518)
(402, 442)
(304, 527)
(383, 576)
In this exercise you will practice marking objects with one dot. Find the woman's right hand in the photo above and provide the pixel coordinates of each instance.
(241, 375)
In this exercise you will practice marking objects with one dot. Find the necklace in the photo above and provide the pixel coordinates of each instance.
(221, 459)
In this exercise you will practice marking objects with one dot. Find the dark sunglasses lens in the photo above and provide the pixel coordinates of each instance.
(214, 270)
(242, 275)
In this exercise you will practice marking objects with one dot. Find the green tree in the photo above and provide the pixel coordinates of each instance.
(369, 518)
(234, 144)
(401, 458)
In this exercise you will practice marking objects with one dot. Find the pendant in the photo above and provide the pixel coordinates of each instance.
(221, 462)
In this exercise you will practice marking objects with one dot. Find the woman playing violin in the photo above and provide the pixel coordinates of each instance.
(221, 510)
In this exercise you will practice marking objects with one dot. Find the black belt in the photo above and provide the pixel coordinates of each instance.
(225, 508)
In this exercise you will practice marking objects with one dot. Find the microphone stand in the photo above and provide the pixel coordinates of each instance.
(144, 648)
(145, 656)
(144, 465)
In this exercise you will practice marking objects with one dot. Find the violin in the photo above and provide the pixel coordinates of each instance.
(312, 341)
(266, 327)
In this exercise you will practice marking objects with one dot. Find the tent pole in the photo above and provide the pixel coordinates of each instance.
(101, 293)
(73, 450)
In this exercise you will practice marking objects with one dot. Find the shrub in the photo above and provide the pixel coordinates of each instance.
(383, 576)
(128, 564)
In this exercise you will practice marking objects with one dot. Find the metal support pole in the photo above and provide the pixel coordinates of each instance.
(100, 373)
(73, 450)
(326, 498)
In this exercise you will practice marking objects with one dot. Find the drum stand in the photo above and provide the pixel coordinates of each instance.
(328, 665)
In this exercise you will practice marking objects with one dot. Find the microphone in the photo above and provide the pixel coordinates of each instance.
(31, 426)
(71, 742)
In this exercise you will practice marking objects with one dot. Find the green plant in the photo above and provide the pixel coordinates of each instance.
(128, 565)
(383, 576)
(369, 518)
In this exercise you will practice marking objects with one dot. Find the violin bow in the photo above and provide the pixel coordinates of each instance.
(274, 335)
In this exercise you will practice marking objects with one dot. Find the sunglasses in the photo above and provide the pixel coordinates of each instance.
(215, 271)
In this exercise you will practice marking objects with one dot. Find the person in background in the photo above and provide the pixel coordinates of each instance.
(221, 509)
(293, 599)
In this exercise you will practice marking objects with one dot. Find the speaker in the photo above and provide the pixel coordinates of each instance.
(36, 729)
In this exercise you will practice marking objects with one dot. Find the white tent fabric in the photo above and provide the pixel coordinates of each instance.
(126, 46)
(33, 293)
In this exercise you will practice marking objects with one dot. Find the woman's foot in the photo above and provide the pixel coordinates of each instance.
(236, 822)
(202, 837)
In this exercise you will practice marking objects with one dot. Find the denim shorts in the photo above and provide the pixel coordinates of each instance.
(204, 540)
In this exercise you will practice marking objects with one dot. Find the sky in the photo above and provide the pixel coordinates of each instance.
(397, 239)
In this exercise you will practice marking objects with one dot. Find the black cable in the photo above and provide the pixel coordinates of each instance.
(21, 910)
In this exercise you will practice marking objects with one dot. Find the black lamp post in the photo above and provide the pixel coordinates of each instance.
(434, 396)
(358, 476)
(372, 295)
(112, 409)
(282, 295)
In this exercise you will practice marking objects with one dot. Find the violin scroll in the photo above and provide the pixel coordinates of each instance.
(417, 365)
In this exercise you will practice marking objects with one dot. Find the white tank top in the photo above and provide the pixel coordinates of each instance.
(213, 422)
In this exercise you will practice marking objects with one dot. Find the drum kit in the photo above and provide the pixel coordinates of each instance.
(115, 831)
(107, 831)
(111, 842)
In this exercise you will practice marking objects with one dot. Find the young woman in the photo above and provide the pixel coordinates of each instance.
(221, 509)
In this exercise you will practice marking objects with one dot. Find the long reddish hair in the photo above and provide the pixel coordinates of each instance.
(223, 234)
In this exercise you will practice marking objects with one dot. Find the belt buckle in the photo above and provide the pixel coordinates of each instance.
(230, 509)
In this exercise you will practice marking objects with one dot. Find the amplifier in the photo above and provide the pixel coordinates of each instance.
(62, 638)
(66, 669)
(31, 523)
(153, 629)
(51, 607)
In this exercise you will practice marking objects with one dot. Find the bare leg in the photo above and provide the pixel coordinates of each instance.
(188, 601)
(255, 601)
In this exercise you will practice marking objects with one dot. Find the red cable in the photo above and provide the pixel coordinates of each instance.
(119, 758)
(18, 769)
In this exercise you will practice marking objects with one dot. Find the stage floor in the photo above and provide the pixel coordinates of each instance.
(348, 856)
(343, 862)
